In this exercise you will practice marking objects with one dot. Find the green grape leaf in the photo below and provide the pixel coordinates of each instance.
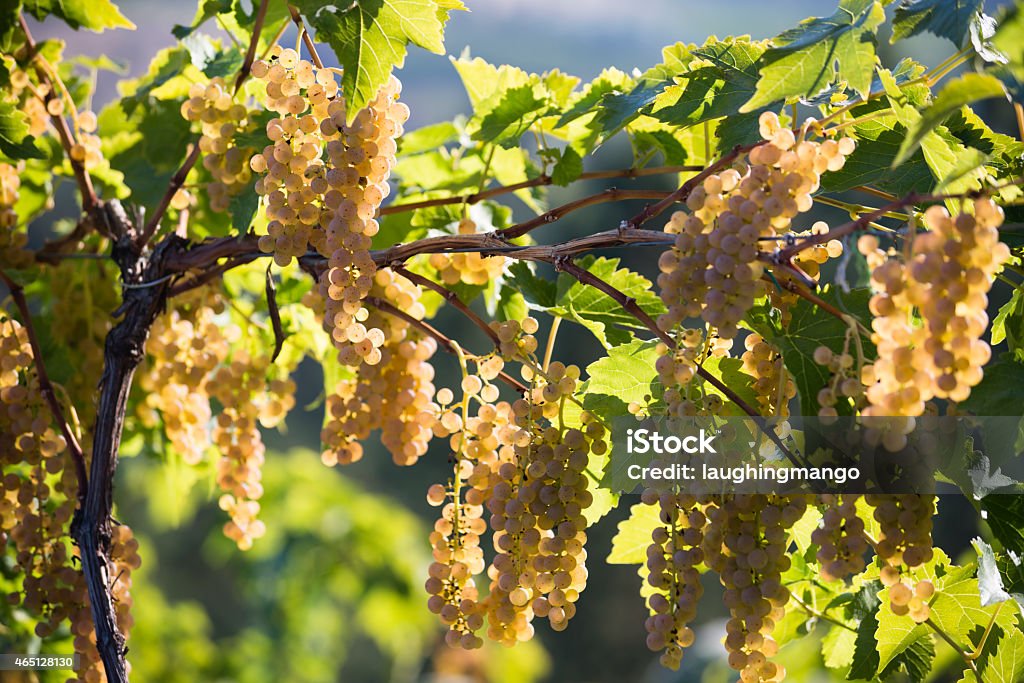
(243, 209)
(945, 18)
(9, 11)
(201, 50)
(968, 88)
(568, 168)
(428, 138)
(1008, 325)
(15, 142)
(1005, 516)
(167, 64)
(225, 63)
(512, 304)
(809, 58)
(866, 650)
(999, 392)
(1002, 658)
(957, 608)
(615, 109)
(950, 162)
(597, 311)
(1011, 574)
(724, 78)
(629, 545)
(538, 291)
(1008, 38)
(894, 634)
(837, 647)
(207, 10)
(607, 82)
(95, 15)
(518, 109)
(371, 37)
(916, 660)
(879, 139)
(624, 376)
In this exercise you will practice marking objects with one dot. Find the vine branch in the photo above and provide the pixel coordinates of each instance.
(539, 181)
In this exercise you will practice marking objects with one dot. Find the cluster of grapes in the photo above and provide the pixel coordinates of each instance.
(773, 385)
(846, 380)
(673, 558)
(237, 386)
(676, 371)
(746, 544)
(537, 507)
(946, 279)
(470, 268)
(328, 202)
(480, 444)
(221, 118)
(185, 345)
(840, 538)
(37, 501)
(912, 599)
(31, 98)
(712, 270)
(86, 148)
(906, 529)
(13, 251)
(395, 394)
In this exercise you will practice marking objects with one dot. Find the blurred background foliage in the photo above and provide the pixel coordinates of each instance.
(334, 591)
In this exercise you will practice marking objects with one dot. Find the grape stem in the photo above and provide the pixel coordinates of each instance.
(824, 616)
(449, 296)
(446, 342)
(613, 194)
(964, 654)
(304, 35)
(549, 348)
(46, 386)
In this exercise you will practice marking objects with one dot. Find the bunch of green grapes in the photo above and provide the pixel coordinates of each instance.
(746, 543)
(673, 558)
(676, 371)
(945, 278)
(394, 394)
(906, 530)
(37, 499)
(840, 538)
(221, 118)
(13, 242)
(470, 267)
(325, 178)
(846, 381)
(185, 345)
(773, 384)
(713, 270)
(480, 445)
(537, 507)
(237, 386)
